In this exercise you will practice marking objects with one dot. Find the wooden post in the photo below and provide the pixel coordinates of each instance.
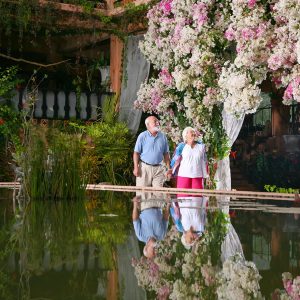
(280, 117)
(116, 51)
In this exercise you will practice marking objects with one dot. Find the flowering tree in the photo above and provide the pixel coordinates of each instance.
(214, 55)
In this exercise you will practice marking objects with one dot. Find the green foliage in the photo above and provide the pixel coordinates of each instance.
(113, 147)
(53, 165)
(8, 81)
(218, 141)
(216, 230)
(10, 124)
(109, 109)
(275, 189)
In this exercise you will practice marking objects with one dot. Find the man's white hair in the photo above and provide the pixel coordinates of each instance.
(185, 132)
(147, 120)
(145, 252)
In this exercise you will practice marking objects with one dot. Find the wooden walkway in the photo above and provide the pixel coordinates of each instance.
(173, 191)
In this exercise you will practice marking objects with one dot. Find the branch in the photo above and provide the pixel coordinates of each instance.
(33, 62)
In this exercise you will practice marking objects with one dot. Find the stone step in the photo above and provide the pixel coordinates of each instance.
(239, 181)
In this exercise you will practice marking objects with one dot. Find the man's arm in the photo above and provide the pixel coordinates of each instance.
(136, 159)
(166, 212)
(167, 162)
(167, 159)
(135, 211)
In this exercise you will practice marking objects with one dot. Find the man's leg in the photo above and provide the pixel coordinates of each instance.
(158, 179)
(145, 179)
(158, 176)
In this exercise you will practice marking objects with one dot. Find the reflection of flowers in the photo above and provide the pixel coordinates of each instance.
(179, 274)
(291, 288)
(238, 279)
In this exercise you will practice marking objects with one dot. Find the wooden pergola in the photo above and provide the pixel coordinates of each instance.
(75, 17)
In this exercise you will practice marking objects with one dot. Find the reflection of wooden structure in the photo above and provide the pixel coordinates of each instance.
(272, 242)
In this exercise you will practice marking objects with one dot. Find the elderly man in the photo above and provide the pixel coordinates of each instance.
(150, 150)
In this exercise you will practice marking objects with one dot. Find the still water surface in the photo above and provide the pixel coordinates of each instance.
(84, 250)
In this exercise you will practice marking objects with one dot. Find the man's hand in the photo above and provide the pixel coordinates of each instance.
(136, 202)
(136, 172)
(169, 174)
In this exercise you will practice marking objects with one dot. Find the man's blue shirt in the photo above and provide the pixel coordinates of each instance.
(150, 224)
(151, 148)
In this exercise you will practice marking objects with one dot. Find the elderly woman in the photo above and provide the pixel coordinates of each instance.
(189, 161)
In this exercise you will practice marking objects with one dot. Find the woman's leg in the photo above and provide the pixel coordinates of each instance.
(184, 183)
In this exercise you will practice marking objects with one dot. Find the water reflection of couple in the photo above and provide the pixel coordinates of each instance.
(150, 217)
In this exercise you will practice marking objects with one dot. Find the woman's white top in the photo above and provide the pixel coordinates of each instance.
(193, 213)
(193, 162)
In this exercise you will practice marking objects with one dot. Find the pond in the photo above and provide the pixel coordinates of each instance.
(91, 250)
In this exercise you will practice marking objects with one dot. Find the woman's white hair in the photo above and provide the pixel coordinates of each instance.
(185, 243)
(185, 132)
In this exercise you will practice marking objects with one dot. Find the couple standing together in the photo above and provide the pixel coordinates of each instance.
(189, 163)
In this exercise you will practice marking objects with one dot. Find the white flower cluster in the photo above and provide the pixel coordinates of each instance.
(181, 41)
(239, 92)
(287, 47)
(239, 280)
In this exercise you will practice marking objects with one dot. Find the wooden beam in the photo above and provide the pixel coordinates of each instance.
(73, 11)
(111, 11)
(75, 42)
(250, 195)
(116, 51)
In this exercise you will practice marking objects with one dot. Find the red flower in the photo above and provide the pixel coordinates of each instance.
(232, 214)
(1, 121)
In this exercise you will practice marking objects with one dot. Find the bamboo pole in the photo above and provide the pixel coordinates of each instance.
(173, 191)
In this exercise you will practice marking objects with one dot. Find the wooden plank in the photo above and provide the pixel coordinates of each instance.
(163, 190)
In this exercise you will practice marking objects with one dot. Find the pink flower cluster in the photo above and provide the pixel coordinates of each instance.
(291, 288)
(292, 91)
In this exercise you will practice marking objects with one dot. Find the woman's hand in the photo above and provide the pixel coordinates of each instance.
(208, 182)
